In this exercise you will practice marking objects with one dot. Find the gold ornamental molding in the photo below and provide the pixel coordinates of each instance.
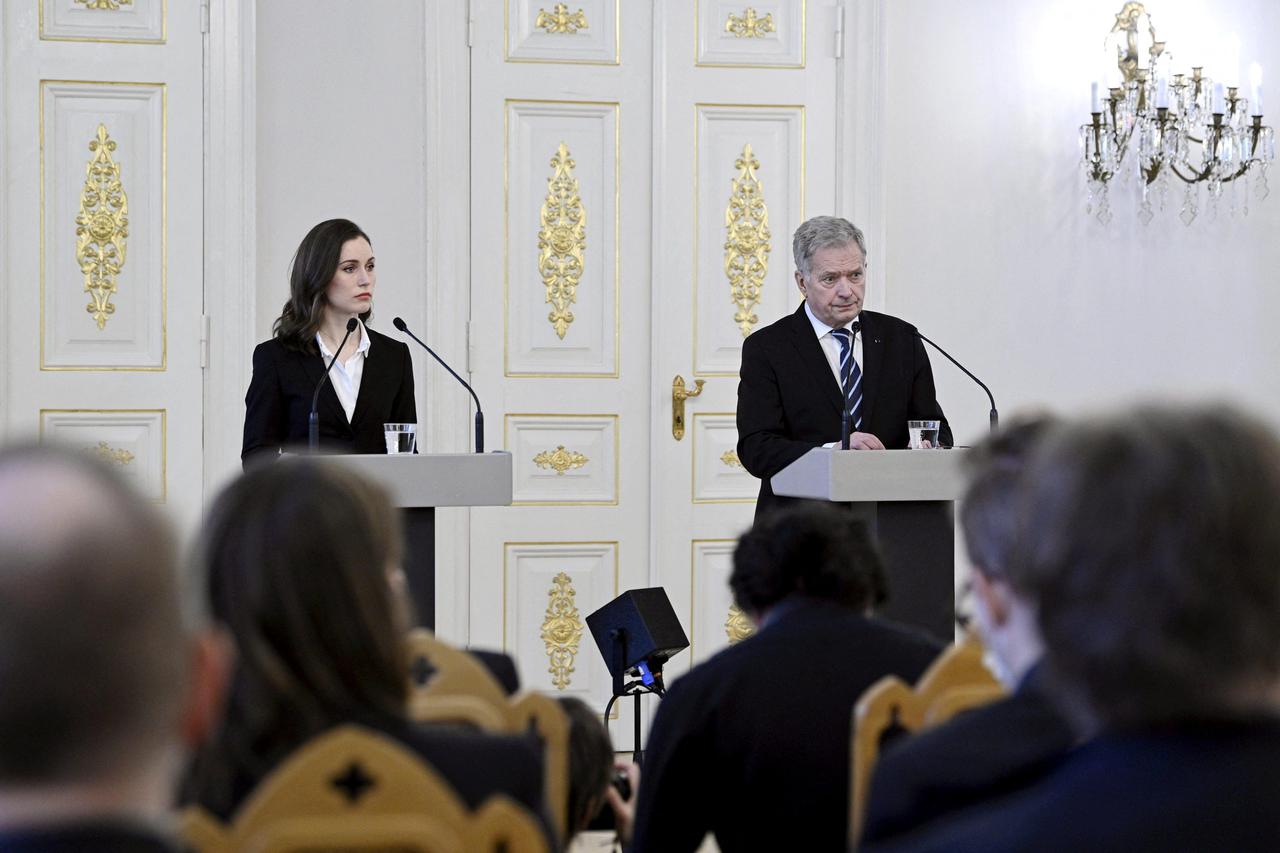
(106, 5)
(737, 626)
(730, 458)
(749, 25)
(102, 227)
(746, 248)
(561, 630)
(560, 460)
(112, 455)
(561, 240)
(561, 20)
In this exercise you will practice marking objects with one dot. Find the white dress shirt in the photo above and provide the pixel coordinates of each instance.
(831, 346)
(346, 376)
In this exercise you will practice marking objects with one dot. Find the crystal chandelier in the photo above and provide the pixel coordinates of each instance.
(1156, 126)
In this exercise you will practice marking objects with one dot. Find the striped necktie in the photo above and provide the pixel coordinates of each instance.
(850, 375)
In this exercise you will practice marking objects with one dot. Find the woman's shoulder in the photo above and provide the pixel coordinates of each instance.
(377, 338)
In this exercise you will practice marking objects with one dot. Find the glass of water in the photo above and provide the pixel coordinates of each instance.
(401, 438)
(922, 435)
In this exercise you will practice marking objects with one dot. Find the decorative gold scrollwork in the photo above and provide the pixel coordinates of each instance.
(748, 25)
(561, 240)
(107, 5)
(737, 626)
(730, 458)
(560, 460)
(101, 227)
(746, 249)
(561, 21)
(112, 455)
(561, 630)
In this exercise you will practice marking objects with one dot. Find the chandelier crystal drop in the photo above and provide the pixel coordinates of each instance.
(1155, 126)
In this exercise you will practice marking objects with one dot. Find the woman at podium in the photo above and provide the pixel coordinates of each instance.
(370, 383)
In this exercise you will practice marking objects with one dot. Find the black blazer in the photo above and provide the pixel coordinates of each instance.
(753, 744)
(278, 403)
(789, 402)
(1182, 786)
(980, 755)
(90, 835)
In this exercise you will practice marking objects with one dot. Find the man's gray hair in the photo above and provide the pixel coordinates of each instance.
(824, 232)
(93, 651)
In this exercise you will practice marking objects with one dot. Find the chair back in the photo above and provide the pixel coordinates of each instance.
(355, 790)
(956, 681)
(460, 690)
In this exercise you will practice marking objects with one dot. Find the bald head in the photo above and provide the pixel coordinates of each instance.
(93, 655)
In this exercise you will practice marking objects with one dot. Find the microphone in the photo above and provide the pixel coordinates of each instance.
(995, 416)
(313, 421)
(400, 324)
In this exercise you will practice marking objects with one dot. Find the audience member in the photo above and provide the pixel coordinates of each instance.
(1005, 746)
(1149, 546)
(102, 685)
(753, 744)
(298, 559)
(590, 763)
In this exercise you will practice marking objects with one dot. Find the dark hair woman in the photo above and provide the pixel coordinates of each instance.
(371, 383)
(299, 559)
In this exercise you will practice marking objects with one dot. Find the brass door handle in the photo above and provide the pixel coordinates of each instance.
(679, 393)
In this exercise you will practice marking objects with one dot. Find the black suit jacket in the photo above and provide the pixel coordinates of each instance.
(789, 401)
(753, 744)
(1177, 787)
(91, 836)
(980, 755)
(278, 403)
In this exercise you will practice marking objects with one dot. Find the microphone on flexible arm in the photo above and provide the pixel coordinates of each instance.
(400, 324)
(995, 416)
(313, 421)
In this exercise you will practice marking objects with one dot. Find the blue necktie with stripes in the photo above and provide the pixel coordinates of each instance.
(850, 375)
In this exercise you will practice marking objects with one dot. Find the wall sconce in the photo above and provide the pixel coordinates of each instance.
(1181, 126)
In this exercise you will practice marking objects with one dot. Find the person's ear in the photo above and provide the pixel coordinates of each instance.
(800, 281)
(212, 657)
(995, 594)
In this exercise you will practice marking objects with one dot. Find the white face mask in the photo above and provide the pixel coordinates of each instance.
(991, 642)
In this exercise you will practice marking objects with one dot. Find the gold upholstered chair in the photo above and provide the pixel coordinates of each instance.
(447, 685)
(956, 681)
(354, 790)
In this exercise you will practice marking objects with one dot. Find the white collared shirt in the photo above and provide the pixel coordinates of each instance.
(346, 376)
(831, 346)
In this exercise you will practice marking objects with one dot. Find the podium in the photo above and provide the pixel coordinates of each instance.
(418, 483)
(906, 498)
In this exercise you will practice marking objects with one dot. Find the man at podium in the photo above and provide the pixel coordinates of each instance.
(802, 373)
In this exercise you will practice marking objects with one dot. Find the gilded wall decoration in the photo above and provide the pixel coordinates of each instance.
(730, 458)
(560, 460)
(562, 240)
(746, 249)
(561, 20)
(749, 25)
(107, 5)
(561, 630)
(101, 227)
(112, 455)
(737, 626)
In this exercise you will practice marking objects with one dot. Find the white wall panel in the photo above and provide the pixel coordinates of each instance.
(563, 459)
(713, 619)
(776, 135)
(134, 440)
(582, 32)
(530, 572)
(132, 334)
(744, 33)
(141, 21)
(535, 132)
(718, 475)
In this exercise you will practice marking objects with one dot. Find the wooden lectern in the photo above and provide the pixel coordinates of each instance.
(906, 497)
(419, 483)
